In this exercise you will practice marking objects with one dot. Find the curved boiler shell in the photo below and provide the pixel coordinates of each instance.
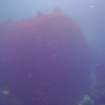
(45, 60)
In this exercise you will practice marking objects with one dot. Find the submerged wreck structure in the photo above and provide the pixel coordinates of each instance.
(45, 60)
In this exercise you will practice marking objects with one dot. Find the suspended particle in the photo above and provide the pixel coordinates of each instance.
(92, 6)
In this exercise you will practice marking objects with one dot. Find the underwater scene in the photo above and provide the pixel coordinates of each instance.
(52, 52)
